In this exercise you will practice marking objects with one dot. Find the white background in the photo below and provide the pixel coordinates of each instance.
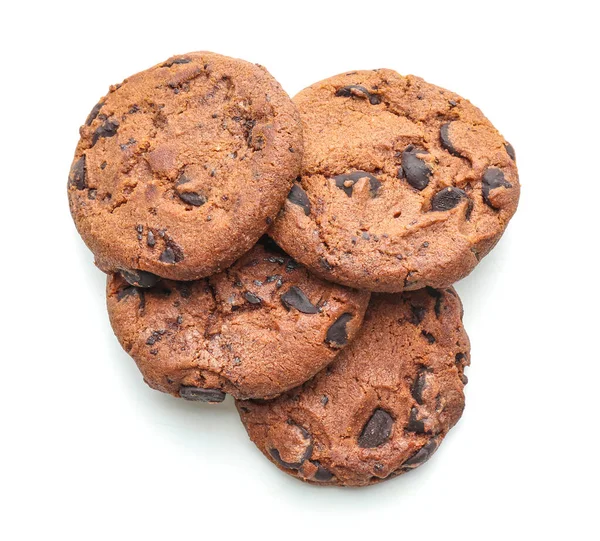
(89, 452)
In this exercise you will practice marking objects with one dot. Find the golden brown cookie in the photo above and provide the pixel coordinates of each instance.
(404, 184)
(263, 326)
(182, 167)
(383, 406)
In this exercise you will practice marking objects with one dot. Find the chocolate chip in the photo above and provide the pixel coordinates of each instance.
(447, 199)
(414, 424)
(428, 336)
(337, 334)
(150, 240)
(324, 400)
(201, 395)
(168, 255)
(291, 265)
(322, 474)
(140, 278)
(357, 91)
(77, 175)
(417, 314)
(445, 139)
(419, 385)
(415, 170)
(377, 430)
(107, 129)
(156, 336)
(510, 151)
(94, 113)
(493, 178)
(192, 198)
(184, 289)
(252, 298)
(459, 358)
(422, 455)
(346, 182)
(298, 196)
(180, 60)
(294, 297)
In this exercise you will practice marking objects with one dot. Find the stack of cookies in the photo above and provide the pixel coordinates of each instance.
(298, 255)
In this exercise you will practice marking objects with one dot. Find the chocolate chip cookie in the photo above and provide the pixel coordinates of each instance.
(383, 406)
(263, 326)
(181, 168)
(404, 184)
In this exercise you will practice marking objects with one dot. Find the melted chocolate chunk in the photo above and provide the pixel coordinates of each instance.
(77, 175)
(168, 255)
(126, 292)
(419, 385)
(322, 474)
(437, 295)
(93, 113)
(337, 334)
(252, 298)
(140, 278)
(417, 314)
(377, 430)
(346, 182)
(290, 465)
(510, 151)
(107, 129)
(422, 455)
(416, 171)
(445, 140)
(294, 297)
(307, 453)
(198, 394)
(298, 196)
(428, 336)
(447, 199)
(192, 198)
(493, 178)
(414, 424)
(171, 61)
(357, 91)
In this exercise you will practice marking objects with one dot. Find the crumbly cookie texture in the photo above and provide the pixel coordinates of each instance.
(404, 184)
(182, 167)
(263, 326)
(383, 406)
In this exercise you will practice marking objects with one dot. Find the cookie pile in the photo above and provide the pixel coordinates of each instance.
(298, 255)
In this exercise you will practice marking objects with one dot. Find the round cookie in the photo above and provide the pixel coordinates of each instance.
(182, 167)
(383, 406)
(263, 326)
(404, 184)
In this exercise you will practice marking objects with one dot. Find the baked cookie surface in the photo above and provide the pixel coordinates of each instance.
(403, 185)
(383, 406)
(182, 167)
(263, 326)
